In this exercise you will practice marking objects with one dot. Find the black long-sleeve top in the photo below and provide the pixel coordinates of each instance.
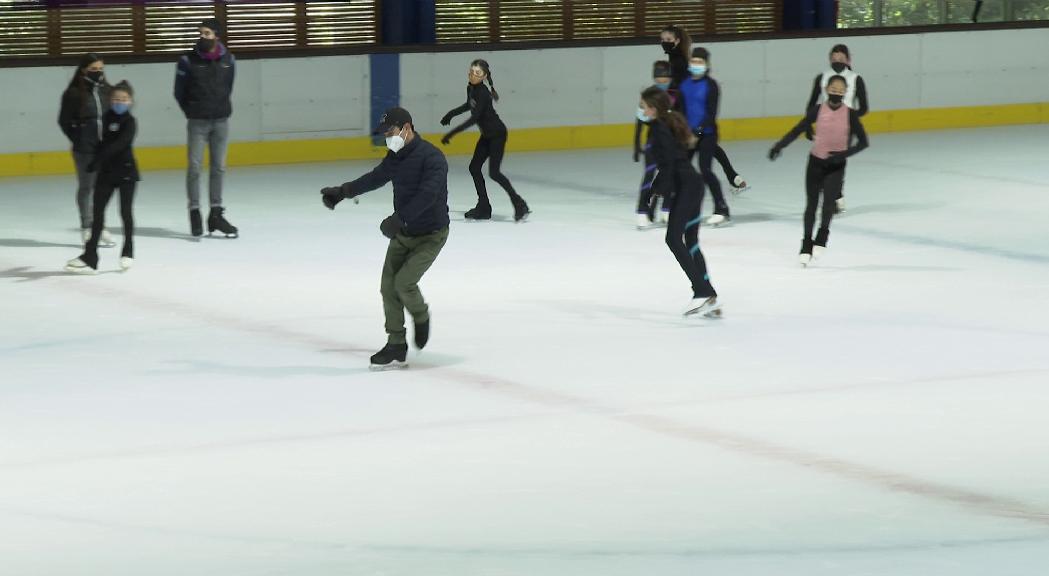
(671, 157)
(115, 159)
(482, 112)
(678, 66)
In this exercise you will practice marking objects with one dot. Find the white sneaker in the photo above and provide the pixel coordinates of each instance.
(78, 266)
(840, 205)
(805, 259)
(125, 262)
(643, 223)
(106, 241)
(817, 251)
(739, 185)
(717, 220)
(664, 216)
(706, 307)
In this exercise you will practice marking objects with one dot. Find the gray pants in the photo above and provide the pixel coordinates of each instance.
(85, 187)
(215, 135)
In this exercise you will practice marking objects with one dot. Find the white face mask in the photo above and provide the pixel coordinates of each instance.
(395, 143)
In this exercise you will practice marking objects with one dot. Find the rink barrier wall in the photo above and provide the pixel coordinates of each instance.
(535, 139)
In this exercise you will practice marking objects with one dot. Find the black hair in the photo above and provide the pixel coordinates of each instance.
(684, 44)
(837, 77)
(124, 86)
(658, 99)
(79, 82)
(483, 65)
(701, 52)
(842, 49)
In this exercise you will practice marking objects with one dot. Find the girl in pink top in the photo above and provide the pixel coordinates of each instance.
(836, 125)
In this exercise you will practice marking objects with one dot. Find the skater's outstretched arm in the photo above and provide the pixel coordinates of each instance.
(118, 145)
(861, 96)
(856, 131)
(802, 126)
(434, 181)
(377, 178)
(454, 112)
(483, 101)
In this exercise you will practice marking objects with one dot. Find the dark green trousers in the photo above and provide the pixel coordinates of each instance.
(407, 259)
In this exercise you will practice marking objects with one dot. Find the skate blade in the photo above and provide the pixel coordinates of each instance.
(738, 191)
(85, 271)
(395, 365)
(713, 311)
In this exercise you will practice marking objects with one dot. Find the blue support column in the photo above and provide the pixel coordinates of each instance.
(385, 74)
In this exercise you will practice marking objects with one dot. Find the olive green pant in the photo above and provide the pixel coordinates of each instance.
(407, 259)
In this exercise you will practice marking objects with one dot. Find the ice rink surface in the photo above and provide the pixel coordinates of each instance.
(211, 411)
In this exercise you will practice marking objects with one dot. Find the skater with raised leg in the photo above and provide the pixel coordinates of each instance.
(678, 180)
(836, 126)
(700, 96)
(417, 229)
(492, 144)
(116, 169)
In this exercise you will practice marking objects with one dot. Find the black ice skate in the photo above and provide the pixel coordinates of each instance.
(422, 334)
(479, 212)
(391, 357)
(521, 210)
(196, 225)
(216, 221)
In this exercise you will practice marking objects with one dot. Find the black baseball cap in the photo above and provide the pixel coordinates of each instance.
(393, 118)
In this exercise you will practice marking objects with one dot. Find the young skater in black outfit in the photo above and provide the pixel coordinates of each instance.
(492, 144)
(836, 125)
(116, 169)
(668, 137)
(647, 201)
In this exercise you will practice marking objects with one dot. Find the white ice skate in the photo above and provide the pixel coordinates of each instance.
(643, 223)
(105, 240)
(126, 263)
(739, 185)
(839, 205)
(804, 259)
(817, 252)
(664, 217)
(78, 266)
(716, 220)
(703, 307)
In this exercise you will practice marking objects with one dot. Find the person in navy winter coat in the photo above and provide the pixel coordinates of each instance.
(417, 229)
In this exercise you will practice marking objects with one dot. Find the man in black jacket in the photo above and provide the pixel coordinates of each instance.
(203, 85)
(417, 229)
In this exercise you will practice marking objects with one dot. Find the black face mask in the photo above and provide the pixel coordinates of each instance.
(838, 67)
(834, 98)
(667, 46)
(206, 44)
(95, 77)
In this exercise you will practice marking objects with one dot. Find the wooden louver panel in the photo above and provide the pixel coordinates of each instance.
(261, 24)
(173, 25)
(685, 13)
(522, 20)
(23, 28)
(341, 23)
(602, 19)
(461, 22)
(746, 16)
(106, 29)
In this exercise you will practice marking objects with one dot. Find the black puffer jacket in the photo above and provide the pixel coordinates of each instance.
(420, 186)
(80, 116)
(203, 87)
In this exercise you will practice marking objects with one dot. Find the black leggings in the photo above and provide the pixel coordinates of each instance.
(646, 203)
(707, 148)
(726, 165)
(103, 192)
(683, 237)
(490, 149)
(826, 180)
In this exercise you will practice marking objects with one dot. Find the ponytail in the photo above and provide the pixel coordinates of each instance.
(657, 98)
(487, 76)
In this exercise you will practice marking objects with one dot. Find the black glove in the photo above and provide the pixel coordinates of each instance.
(774, 153)
(332, 195)
(446, 139)
(391, 226)
(446, 120)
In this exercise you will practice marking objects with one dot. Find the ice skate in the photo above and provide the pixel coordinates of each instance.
(706, 307)
(805, 259)
(391, 357)
(521, 210)
(716, 220)
(126, 263)
(196, 224)
(422, 334)
(78, 266)
(217, 221)
(739, 185)
(643, 222)
(106, 240)
(839, 205)
(817, 252)
(479, 212)
(664, 217)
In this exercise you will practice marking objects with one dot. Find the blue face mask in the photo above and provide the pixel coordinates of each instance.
(663, 85)
(120, 107)
(641, 115)
(698, 70)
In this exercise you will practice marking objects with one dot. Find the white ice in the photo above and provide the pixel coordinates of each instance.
(210, 412)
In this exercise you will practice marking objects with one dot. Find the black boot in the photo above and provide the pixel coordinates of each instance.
(479, 212)
(822, 235)
(422, 334)
(391, 356)
(521, 210)
(216, 221)
(196, 225)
